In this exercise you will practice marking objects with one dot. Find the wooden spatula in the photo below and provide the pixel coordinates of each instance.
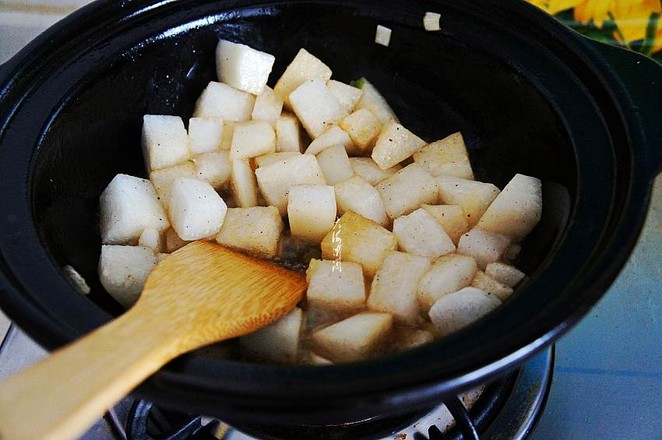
(202, 293)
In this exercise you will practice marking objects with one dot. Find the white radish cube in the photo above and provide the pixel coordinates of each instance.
(243, 67)
(251, 139)
(278, 342)
(356, 338)
(370, 171)
(151, 238)
(363, 128)
(407, 338)
(316, 107)
(474, 197)
(333, 136)
(357, 195)
(128, 206)
(196, 210)
(431, 21)
(335, 285)
(275, 180)
(346, 95)
(382, 35)
(485, 246)
(253, 230)
(394, 144)
(394, 288)
(448, 274)
(419, 234)
(165, 141)
(311, 211)
(288, 134)
(123, 271)
(163, 179)
(205, 134)
(268, 106)
(243, 183)
(516, 210)
(504, 273)
(406, 190)
(228, 133)
(373, 101)
(303, 67)
(268, 159)
(213, 168)
(451, 218)
(457, 310)
(316, 359)
(488, 284)
(447, 157)
(173, 241)
(335, 165)
(355, 238)
(219, 100)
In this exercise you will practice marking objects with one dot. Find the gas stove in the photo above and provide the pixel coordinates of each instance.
(602, 380)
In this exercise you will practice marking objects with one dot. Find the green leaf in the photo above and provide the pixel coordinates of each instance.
(651, 31)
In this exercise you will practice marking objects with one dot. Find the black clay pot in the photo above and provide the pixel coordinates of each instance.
(529, 95)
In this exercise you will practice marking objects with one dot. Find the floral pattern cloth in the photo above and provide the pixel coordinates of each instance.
(634, 24)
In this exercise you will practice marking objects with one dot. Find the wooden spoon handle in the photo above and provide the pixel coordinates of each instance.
(63, 395)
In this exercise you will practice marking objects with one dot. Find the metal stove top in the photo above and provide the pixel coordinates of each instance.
(608, 373)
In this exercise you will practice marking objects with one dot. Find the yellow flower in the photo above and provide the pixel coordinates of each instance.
(632, 17)
(596, 10)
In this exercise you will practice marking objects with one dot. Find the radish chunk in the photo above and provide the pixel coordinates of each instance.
(355, 238)
(335, 164)
(277, 342)
(448, 274)
(205, 134)
(213, 168)
(485, 246)
(394, 288)
(123, 271)
(219, 100)
(357, 195)
(447, 157)
(457, 310)
(253, 230)
(335, 285)
(363, 127)
(303, 67)
(151, 238)
(228, 133)
(431, 21)
(268, 159)
(353, 339)
(128, 206)
(275, 180)
(516, 210)
(311, 210)
(243, 67)
(163, 179)
(370, 171)
(395, 144)
(316, 107)
(451, 218)
(251, 139)
(268, 106)
(243, 183)
(419, 234)
(406, 338)
(406, 190)
(373, 101)
(333, 136)
(196, 210)
(504, 273)
(165, 141)
(346, 95)
(474, 197)
(383, 35)
(490, 285)
(288, 134)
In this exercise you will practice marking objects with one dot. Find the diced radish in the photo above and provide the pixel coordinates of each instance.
(288, 134)
(406, 190)
(219, 100)
(196, 210)
(370, 171)
(488, 284)
(346, 95)
(457, 310)
(335, 165)
(485, 246)
(357, 195)
(333, 136)
(123, 271)
(253, 230)
(163, 178)
(447, 157)
(303, 67)
(311, 211)
(395, 144)
(213, 168)
(278, 342)
(268, 106)
(335, 285)
(451, 218)
(165, 141)
(372, 100)
(448, 274)
(316, 107)
(251, 139)
(363, 127)
(243, 67)
(419, 234)
(504, 273)
(243, 183)
(474, 197)
(205, 134)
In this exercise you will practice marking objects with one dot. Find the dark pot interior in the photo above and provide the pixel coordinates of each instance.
(526, 102)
